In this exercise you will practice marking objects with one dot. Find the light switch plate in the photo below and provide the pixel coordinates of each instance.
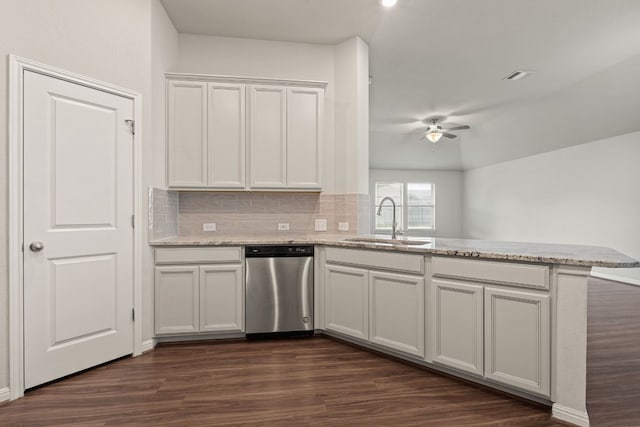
(343, 226)
(209, 226)
(321, 225)
(283, 226)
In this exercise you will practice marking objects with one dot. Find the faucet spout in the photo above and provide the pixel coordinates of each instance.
(393, 221)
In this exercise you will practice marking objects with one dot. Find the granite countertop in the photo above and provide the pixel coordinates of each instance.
(542, 253)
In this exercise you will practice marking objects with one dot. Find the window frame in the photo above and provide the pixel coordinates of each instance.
(404, 204)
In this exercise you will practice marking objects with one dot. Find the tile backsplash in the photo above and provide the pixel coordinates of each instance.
(254, 214)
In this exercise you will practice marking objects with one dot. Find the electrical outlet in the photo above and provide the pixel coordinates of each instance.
(321, 225)
(209, 226)
(283, 226)
(343, 226)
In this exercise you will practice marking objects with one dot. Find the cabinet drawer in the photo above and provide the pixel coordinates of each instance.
(534, 276)
(377, 259)
(198, 255)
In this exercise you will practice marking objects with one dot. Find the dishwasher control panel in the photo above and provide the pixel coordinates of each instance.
(264, 251)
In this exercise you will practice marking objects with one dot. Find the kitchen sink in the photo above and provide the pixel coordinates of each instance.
(388, 241)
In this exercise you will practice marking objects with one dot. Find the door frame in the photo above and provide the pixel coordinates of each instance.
(17, 67)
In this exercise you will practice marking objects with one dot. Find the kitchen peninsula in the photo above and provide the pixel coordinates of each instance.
(509, 315)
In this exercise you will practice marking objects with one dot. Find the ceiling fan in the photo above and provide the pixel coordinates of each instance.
(434, 131)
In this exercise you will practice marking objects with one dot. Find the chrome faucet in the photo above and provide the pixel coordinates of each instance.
(393, 221)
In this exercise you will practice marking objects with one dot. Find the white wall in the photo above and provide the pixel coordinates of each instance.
(585, 194)
(164, 57)
(448, 186)
(104, 39)
(352, 115)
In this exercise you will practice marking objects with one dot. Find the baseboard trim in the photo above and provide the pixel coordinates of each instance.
(148, 345)
(615, 278)
(570, 415)
(5, 394)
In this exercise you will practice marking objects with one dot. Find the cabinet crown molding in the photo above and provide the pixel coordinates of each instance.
(246, 80)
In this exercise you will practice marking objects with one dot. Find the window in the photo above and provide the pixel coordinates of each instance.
(415, 210)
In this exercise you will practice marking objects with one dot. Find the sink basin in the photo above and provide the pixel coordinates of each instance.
(388, 241)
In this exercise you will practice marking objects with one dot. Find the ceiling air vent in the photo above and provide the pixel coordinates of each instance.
(517, 75)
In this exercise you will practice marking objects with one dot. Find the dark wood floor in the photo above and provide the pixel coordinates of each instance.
(323, 382)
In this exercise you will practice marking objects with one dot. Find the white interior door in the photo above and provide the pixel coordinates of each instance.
(78, 237)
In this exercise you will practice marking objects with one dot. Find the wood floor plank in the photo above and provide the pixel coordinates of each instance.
(323, 382)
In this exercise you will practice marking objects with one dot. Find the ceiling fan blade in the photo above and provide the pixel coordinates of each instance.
(416, 130)
(459, 127)
(448, 135)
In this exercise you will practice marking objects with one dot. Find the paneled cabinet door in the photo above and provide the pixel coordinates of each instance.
(221, 298)
(517, 339)
(268, 136)
(347, 301)
(176, 299)
(226, 135)
(396, 317)
(187, 134)
(305, 109)
(455, 325)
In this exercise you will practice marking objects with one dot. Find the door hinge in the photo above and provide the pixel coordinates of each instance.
(22, 247)
(133, 314)
(132, 126)
(133, 221)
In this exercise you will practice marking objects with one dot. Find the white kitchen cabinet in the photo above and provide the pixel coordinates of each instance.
(456, 325)
(396, 311)
(226, 140)
(221, 298)
(241, 133)
(347, 301)
(198, 290)
(305, 108)
(187, 133)
(268, 136)
(176, 299)
(517, 339)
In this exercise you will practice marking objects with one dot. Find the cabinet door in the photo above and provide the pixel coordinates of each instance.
(397, 312)
(347, 301)
(187, 134)
(305, 108)
(176, 300)
(221, 298)
(517, 339)
(268, 137)
(226, 135)
(455, 325)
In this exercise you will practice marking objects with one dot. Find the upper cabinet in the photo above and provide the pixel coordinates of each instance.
(238, 133)
(268, 156)
(226, 137)
(187, 134)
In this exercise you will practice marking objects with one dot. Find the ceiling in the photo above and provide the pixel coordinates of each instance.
(447, 58)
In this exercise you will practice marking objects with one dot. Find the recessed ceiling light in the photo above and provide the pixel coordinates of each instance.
(388, 3)
(517, 75)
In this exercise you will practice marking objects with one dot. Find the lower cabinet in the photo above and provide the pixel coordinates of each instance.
(384, 308)
(202, 298)
(396, 311)
(456, 325)
(493, 330)
(347, 301)
(176, 299)
(517, 339)
(221, 298)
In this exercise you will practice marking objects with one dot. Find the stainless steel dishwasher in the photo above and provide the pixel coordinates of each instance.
(279, 290)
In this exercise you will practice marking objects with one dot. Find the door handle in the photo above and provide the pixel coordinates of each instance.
(36, 246)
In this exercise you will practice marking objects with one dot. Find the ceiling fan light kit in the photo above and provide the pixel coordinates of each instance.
(434, 135)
